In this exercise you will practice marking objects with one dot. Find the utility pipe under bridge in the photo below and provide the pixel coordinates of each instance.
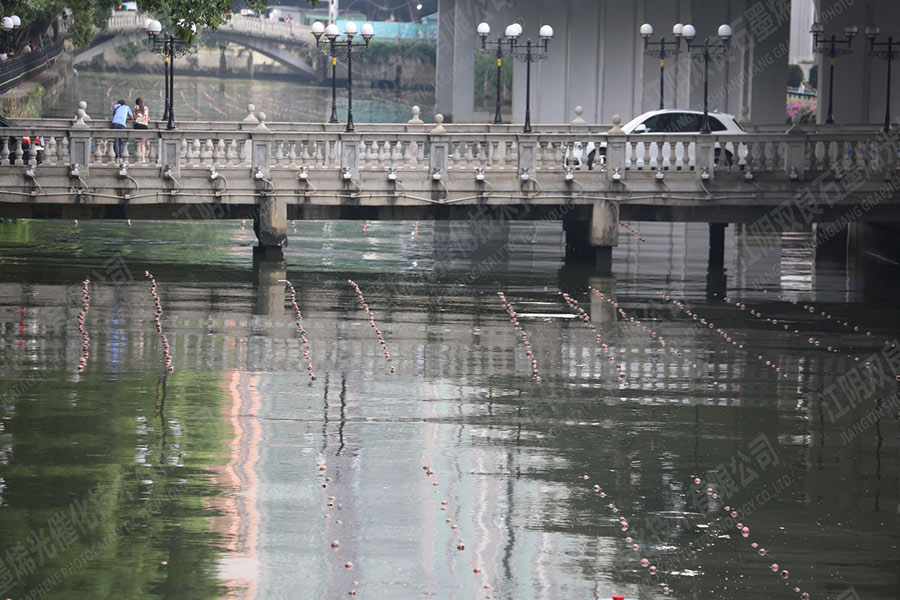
(275, 172)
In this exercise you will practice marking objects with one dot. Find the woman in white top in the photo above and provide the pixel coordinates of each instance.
(142, 121)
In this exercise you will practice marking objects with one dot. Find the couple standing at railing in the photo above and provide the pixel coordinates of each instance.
(123, 113)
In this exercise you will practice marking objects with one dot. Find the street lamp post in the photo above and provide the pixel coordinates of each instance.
(170, 49)
(890, 52)
(528, 55)
(484, 30)
(832, 48)
(662, 49)
(344, 45)
(708, 51)
(318, 28)
(8, 24)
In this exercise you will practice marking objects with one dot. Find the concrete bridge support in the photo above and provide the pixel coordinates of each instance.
(592, 234)
(270, 225)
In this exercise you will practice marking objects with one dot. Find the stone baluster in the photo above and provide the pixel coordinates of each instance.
(219, 152)
(4, 151)
(99, 147)
(397, 154)
(292, 154)
(304, 151)
(50, 150)
(208, 151)
(660, 159)
(18, 153)
(420, 154)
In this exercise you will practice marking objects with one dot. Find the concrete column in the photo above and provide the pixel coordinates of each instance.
(455, 69)
(604, 233)
(270, 225)
(717, 245)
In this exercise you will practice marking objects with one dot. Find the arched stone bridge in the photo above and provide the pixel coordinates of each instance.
(273, 172)
(265, 37)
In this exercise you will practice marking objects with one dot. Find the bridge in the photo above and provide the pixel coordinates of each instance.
(265, 37)
(276, 172)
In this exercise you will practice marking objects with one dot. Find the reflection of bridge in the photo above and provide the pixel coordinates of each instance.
(280, 171)
(266, 37)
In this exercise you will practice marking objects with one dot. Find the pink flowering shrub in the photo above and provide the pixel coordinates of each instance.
(804, 109)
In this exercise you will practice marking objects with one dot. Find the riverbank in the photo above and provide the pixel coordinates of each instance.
(27, 99)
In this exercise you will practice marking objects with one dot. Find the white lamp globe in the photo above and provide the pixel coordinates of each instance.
(546, 32)
(350, 29)
(646, 30)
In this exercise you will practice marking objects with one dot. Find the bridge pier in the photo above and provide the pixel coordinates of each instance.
(590, 238)
(270, 226)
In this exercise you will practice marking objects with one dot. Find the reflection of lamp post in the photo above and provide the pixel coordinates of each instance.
(484, 30)
(891, 52)
(665, 48)
(331, 32)
(9, 23)
(706, 52)
(528, 55)
(831, 47)
(170, 48)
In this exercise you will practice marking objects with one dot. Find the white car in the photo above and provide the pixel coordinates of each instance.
(662, 121)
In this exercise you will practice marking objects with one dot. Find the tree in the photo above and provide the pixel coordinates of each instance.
(187, 17)
(794, 76)
(814, 77)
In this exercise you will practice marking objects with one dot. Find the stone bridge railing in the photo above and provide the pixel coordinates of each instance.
(375, 149)
(130, 21)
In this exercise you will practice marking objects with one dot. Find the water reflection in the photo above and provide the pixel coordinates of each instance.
(246, 441)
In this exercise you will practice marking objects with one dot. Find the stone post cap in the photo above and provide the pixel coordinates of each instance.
(415, 115)
(262, 122)
(439, 127)
(80, 116)
(579, 110)
(616, 128)
(251, 119)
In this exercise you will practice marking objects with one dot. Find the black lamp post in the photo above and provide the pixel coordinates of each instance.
(484, 30)
(708, 51)
(540, 52)
(170, 48)
(832, 48)
(890, 52)
(662, 49)
(344, 45)
(318, 29)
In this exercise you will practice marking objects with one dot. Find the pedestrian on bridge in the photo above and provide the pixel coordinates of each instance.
(121, 114)
(142, 121)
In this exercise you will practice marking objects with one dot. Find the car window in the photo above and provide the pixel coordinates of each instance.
(684, 123)
(651, 123)
(715, 124)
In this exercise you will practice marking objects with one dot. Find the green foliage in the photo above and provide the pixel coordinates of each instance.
(129, 50)
(814, 77)
(794, 76)
(90, 15)
(486, 78)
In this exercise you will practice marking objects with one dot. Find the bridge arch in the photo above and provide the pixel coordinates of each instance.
(265, 39)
